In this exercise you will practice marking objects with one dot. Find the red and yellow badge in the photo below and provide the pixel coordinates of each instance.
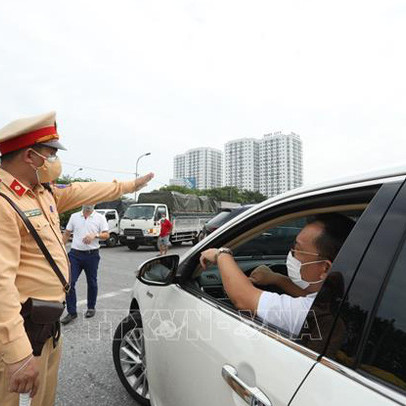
(17, 188)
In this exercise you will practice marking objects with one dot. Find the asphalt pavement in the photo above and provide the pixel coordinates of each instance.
(87, 376)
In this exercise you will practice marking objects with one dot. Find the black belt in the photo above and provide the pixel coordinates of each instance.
(85, 251)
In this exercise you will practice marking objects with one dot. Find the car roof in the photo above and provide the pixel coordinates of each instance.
(369, 178)
(375, 178)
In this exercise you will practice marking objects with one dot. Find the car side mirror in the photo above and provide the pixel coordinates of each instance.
(159, 271)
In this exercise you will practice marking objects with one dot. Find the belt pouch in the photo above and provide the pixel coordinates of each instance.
(41, 321)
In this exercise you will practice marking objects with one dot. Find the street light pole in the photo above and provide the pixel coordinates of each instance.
(136, 170)
(77, 170)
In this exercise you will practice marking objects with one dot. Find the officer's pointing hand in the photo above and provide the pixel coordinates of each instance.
(143, 181)
(24, 376)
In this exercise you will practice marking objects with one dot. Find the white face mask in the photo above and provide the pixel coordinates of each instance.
(294, 266)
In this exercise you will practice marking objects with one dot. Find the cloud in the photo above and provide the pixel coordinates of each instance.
(163, 77)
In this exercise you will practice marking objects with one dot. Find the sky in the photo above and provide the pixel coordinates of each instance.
(163, 76)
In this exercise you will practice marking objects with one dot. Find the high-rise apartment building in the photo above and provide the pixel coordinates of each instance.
(271, 165)
(241, 161)
(204, 165)
(179, 166)
(280, 163)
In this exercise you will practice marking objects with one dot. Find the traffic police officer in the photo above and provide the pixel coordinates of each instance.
(29, 162)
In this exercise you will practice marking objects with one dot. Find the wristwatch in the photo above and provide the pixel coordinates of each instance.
(223, 250)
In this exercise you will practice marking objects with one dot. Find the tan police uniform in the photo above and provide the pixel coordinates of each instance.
(24, 271)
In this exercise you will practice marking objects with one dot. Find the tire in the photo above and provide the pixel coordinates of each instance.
(133, 246)
(195, 240)
(129, 358)
(176, 243)
(112, 241)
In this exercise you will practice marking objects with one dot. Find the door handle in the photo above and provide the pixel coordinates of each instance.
(252, 395)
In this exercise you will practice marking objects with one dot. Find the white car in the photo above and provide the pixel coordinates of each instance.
(185, 344)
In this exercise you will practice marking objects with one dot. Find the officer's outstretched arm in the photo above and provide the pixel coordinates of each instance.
(76, 194)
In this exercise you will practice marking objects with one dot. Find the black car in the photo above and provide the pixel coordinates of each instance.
(220, 219)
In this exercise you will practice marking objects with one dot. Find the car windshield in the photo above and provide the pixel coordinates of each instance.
(139, 212)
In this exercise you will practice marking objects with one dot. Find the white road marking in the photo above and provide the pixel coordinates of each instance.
(106, 295)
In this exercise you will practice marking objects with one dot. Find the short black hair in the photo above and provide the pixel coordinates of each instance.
(13, 154)
(336, 229)
(9, 156)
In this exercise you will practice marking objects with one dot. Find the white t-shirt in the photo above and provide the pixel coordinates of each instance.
(80, 226)
(284, 311)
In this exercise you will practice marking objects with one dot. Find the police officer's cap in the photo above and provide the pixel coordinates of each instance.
(29, 131)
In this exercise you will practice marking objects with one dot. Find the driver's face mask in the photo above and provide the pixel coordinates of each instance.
(294, 266)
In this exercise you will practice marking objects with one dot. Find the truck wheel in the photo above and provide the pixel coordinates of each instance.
(112, 240)
(133, 246)
(195, 240)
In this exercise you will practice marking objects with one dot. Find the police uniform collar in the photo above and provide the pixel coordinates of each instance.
(17, 187)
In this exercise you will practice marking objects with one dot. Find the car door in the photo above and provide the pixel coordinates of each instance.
(194, 347)
(200, 352)
(368, 367)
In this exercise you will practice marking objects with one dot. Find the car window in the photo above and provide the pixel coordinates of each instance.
(161, 210)
(269, 246)
(349, 295)
(274, 241)
(384, 355)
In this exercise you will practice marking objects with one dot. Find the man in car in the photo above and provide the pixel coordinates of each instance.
(308, 263)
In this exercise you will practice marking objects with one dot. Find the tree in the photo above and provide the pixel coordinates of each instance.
(250, 197)
(225, 194)
(180, 189)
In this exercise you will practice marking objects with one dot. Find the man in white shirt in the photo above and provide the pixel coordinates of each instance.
(308, 263)
(88, 228)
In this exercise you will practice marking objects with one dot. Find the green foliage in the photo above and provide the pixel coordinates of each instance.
(66, 180)
(226, 193)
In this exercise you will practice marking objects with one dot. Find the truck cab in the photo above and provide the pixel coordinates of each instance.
(140, 224)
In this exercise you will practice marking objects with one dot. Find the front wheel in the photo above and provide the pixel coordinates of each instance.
(112, 241)
(129, 358)
(133, 246)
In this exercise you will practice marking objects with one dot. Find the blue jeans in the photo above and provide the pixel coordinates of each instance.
(89, 262)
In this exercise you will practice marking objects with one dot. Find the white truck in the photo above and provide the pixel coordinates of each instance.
(140, 224)
(113, 222)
